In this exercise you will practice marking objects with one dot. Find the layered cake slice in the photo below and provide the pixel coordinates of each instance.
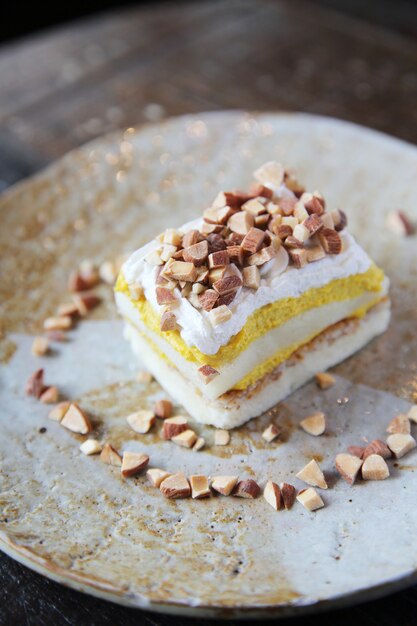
(237, 309)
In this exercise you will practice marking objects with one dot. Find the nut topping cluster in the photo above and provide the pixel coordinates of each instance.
(241, 232)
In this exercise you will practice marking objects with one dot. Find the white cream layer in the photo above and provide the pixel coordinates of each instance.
(277, 281)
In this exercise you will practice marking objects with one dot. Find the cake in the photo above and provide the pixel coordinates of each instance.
(235, 310)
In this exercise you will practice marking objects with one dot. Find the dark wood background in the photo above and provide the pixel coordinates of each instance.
(350, 59)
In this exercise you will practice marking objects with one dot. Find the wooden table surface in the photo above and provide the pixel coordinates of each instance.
(62, 88)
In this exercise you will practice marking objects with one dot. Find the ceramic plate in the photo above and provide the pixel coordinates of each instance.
(71, 517)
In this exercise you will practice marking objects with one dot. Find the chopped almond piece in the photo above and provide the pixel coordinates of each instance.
(228, 284)
(168, 321)
(199, 444)
(207, 373)
(254, 207)
(144, 377)
(288, 493)
(398, 222)
(221, 437)
(287, 206)
(283, 231)
(327, 220)
(377, 447)
(271, 173)
(108, 272)
(175, 486)
(315, 253)
(180, 270)
(190, 238)
(236, 255)
(260, 190)
(241, 222)
(186, 439)
(164, 296)
(68, 308)
(293, 243)
(50, 395)
(313, 223)
(89, 273)
(325, 380)
(208, 299)
(172, 237)
(330, 240)
(301, 233)
(399, 424)
(300, 212)
(348, 466)
(272, 495)
(315, 204)
(156, 476)
(312, 475)
(261, 221)
(314, 424)
(263, 256)
(35, 384)
(168, 252)
(224, 484)
(154, 258)
(357, 451)
(135, 291)
(220, 315)
(86, 302)
(270, 433)
(58, 412)
(110, 456)
(76, 420)
(133, 463)
(196, 253)
(310, 499)
(298, 256)
(251, 277)
(412, 413)
(199, 486)
(77, 283)
(40, 346)
(375, 468)
(58, 323)
(163, 409)
(217, 215)
(90, 446)
(290, 221)
(339, 219)
(174, 426)
(141, 421)
(400, 444)
(230, 198)
(218, 259)
(248, 488)
(216, 274)
(253, 240)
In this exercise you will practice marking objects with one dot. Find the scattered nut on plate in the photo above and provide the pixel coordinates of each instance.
(348, 466)
(248, 488)
(199, 486)
(312, 475)
(224, 484)
(412, 413)
(133, 463)
(325, 380)
(399, 424)
(400, 444)
(141, 421)
(110, 456)
(186, 439)
(314, 424)
(76, 419)
(377, 447)
(91, 446)
(58, 412)
(272, 494)
(174, 426)
(199, 444)
(288, 493)
(270, 433)
(310, 499)
(175, 486)
(163, 409)
(40, 346)
(156, 476)
(221, 437)
(375, 468)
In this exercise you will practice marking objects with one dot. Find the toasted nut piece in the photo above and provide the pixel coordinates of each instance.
(156, 476)
(224, 484)
(110, 456)
(35, 384)
(325, 380)
(86, 302)
(270, 173)
(58, 323)
(163, 409)
(174, 426)
(241, 222)
(288, 493)
(196, 253)
(69, 308)
(108, 272)
(190, 238)
(273, 209)
(412, 413)
(312, 475)
(216, 274)
(398, 222)
(76, 420)
(375, 468)
(251, 277)
(175, 486)
(248, 488)
(168, 321)
(198, 288)
(216, 242)
(313, 223)
(272, 495)
(141, 421)
(180, 270)
(154, 257)
(315, 204)
(230, 198)
(400, 444)
(301, 233)
(58, 412)
(310, 499)
(90, 446)
(377, 447)
(40, 346)
(348, 466)
(220, 315)
(217, 215)
(172, 237)
(399, 424)
(298, 256)
(315, 253)
(209, 229)
(56, 335)
(236, 255)
(357, 451)
(76, 282)
(89, 273)
(300, 212)
(168, 252)
(208, 299)
(207, 373)
(293, 243)
(327, 220)
(282, 230)
(218, 259)
(270, 433)
(339, 219)
(144, 377)
(199, 486)
(164, 296)
(228, 284)
(199, 444)
(254, 207)
(202, 274)
(330, 240)
(50, 395)
(290, 221)
(133, 463)
(186, 439)
(262, 221)
(227, 298)
(253, 240)
(314, 424)
(221, 437)
(287, 206)
(263, 256)
(256, 190)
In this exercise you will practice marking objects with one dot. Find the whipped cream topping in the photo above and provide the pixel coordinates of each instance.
(278, 280)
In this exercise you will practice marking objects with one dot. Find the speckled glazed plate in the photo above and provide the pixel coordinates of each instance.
(71, 517)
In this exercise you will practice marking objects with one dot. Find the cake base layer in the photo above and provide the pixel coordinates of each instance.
(234, 408)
